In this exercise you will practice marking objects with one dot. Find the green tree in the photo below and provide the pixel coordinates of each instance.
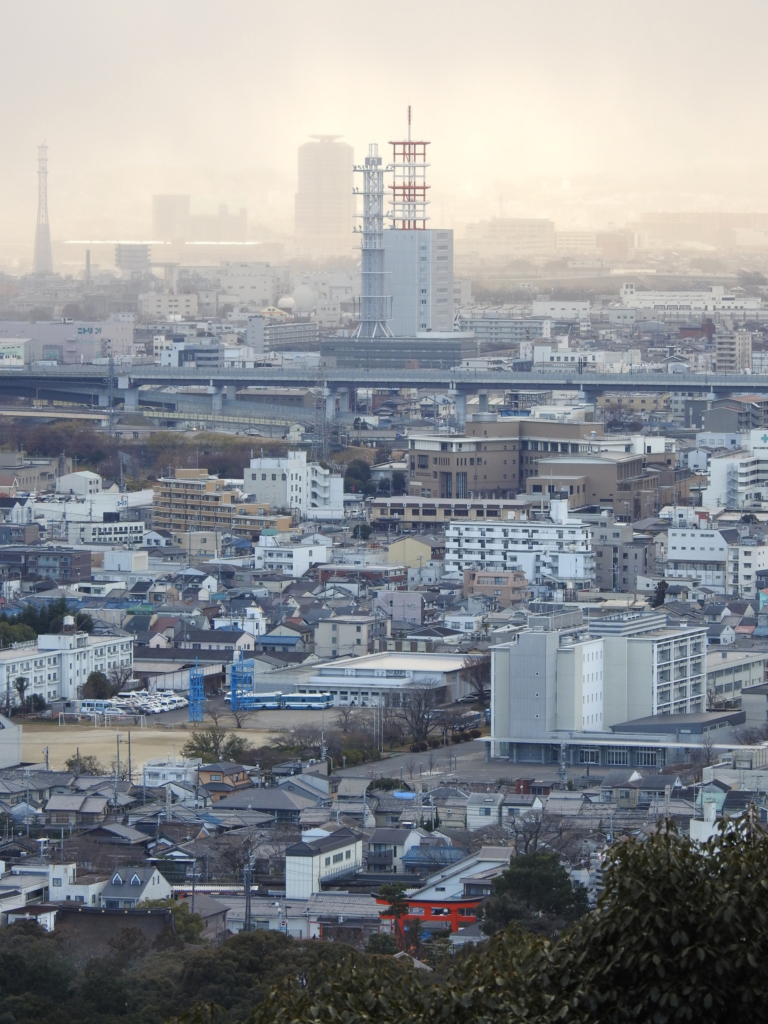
(85, 764)
(399, 483)
(98, 687)
(659, 594)
(357, 478)
(362, 531)
(397, 908)
(215, 744)
(535, 890)
(20, 684)
(189, 927)
(382, 944)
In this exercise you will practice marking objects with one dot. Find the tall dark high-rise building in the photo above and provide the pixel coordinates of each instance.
(43, 259)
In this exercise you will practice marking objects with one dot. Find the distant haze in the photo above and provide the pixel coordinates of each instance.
(588, 112)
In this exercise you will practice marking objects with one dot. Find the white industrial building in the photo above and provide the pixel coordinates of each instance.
(419, 269)
(556, 550)
(74, 509)
(377, 679)
(128, 533)
(57, 664)
(83, 483)
(293, 483)
(712, 300)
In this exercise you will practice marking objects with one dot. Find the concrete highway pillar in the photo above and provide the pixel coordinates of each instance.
(461, 411)
(343, 394)
(130, 399)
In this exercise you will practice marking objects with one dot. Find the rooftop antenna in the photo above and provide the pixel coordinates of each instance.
(43, 258)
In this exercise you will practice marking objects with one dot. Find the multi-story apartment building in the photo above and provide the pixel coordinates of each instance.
(557, 550)
(344, 636)
(620, 557)
(293, 483)
(56, 665)
(733, 352)
(499, 586)
(193, 500)
(746, 558)
(64, 564)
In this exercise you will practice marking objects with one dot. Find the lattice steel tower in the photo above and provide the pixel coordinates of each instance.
(375, 305)
(43, 261)
(408, 211)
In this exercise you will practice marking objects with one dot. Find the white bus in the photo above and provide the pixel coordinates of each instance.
(96, 707)
(314, 701)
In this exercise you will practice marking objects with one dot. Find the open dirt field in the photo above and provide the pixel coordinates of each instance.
(63, 741)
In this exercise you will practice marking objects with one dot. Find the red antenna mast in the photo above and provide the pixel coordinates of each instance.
(409, 187)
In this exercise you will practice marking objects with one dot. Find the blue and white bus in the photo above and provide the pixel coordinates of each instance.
(265, 701)
(314, 701)
(258, 701)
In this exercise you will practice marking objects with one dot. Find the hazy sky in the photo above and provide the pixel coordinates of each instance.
(213, 98)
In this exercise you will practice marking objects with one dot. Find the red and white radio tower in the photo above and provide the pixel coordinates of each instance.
(409, 187)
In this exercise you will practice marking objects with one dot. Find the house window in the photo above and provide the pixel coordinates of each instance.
(338, 857)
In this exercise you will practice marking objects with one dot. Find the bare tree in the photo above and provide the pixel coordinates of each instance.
(120, 675)
(215, 713)
(410, 766)
(477, 673)
(344, 717)
(309, 736)
(241, 715)
(451, 718)
(417, 709)
(539, 830)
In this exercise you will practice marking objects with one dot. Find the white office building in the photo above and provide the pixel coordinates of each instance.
(293, 483)
(556, 550)
(275, 555)
(700, 555)
(419, 275)
(575, 686)
(258, 283)
(56, 665)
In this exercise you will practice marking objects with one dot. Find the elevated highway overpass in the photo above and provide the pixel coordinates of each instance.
(138, 388)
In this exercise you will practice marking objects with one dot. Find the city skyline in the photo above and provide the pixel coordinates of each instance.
(587, 134)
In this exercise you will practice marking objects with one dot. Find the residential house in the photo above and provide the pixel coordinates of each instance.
(484, 809)
(388, 846)
(222, 778)
(130, 885)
